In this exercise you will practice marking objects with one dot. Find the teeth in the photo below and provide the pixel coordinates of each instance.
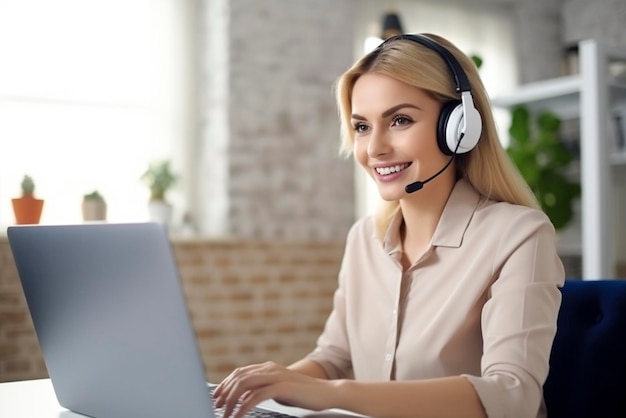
(388, 170)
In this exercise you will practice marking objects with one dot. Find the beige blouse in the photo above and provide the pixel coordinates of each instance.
(481, 302)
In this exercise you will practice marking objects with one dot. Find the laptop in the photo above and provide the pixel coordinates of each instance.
(112, 322)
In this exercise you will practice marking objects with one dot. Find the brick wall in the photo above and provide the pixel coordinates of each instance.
(249, 302)
(20, 357)
(269, 130)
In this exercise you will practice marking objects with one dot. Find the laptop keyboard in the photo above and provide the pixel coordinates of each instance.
(254, 413)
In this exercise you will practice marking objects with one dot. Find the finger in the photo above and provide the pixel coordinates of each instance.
(259, 388)
(225, 385)
(246, 406)
(246, 378)
(228, 410)
(252, 399)
(238, 389)
(230, 403)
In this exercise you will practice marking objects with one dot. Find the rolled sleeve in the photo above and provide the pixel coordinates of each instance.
(519, 320)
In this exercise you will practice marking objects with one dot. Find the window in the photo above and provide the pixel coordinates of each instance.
(91, 92)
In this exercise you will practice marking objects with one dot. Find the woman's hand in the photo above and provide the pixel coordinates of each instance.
(252, 384)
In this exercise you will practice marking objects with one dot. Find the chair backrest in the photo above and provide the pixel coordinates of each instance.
(587, 375)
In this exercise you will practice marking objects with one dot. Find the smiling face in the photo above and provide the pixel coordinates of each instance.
(395, 129)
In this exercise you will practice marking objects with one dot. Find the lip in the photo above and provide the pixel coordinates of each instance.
(388, 178)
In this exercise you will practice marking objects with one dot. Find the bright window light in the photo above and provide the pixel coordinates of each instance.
(79, 104)
(370, 43)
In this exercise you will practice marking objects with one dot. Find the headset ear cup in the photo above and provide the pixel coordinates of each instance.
(451, 114)
(469, 118)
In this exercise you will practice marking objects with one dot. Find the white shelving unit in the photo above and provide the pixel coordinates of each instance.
(591, 96)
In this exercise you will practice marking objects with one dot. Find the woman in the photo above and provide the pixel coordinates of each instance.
(448, 297)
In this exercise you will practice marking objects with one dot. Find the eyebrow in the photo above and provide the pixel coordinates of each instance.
(389, 111)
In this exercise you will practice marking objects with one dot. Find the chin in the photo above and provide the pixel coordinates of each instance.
(391, 195)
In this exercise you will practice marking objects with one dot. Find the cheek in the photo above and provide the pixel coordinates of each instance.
(423, 143)
(360, 151)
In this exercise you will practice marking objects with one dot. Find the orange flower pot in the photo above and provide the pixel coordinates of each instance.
(27, 210)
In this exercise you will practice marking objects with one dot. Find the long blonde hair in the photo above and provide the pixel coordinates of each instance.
(487, 167)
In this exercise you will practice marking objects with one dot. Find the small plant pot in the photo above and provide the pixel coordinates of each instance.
(27, 210)
(94, 210)
(160, 211)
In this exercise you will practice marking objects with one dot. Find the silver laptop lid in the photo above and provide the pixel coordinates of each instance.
(111, 319)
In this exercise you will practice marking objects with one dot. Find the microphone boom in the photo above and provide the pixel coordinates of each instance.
(415, 186)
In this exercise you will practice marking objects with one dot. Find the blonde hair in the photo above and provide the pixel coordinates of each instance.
(487, 167)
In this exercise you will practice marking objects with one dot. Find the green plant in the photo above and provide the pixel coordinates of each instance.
(28, 186)
(543, 161)
(160, 179)
(95, 195)
(478, 61)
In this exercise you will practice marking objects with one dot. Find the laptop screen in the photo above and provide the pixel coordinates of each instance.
(110, 315)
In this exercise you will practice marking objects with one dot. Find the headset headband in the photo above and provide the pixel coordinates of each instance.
(460, 78)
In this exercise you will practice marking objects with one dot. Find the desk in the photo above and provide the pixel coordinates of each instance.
(36, 399)
(31, 398)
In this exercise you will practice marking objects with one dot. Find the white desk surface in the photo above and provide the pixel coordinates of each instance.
(36, 399)
(31, 398)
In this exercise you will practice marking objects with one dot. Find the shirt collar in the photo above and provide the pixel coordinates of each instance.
(455, 219)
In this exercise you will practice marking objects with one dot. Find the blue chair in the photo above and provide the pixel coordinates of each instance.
(587, 375)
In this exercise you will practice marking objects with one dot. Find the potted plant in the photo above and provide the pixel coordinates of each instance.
(544, 161)
(27, 208)
(94, 207)
(159, 178)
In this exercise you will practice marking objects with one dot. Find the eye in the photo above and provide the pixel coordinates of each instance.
(360, 127)
(400, 120)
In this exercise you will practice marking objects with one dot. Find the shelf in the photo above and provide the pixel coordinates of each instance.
(604, 92)
(560, 95)
(539, 91)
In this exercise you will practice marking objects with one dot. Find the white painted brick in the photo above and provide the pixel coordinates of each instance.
(282, 124)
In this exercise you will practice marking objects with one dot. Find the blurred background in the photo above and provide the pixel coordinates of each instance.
(236, 94)
(236, 97)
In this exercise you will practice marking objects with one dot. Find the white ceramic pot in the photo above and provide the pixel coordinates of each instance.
(160, 211)
(94, 210)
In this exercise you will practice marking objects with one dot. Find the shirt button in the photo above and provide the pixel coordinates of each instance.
(388, 357)
(395, 312)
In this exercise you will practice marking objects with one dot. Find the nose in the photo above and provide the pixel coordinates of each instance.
(378, 143)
